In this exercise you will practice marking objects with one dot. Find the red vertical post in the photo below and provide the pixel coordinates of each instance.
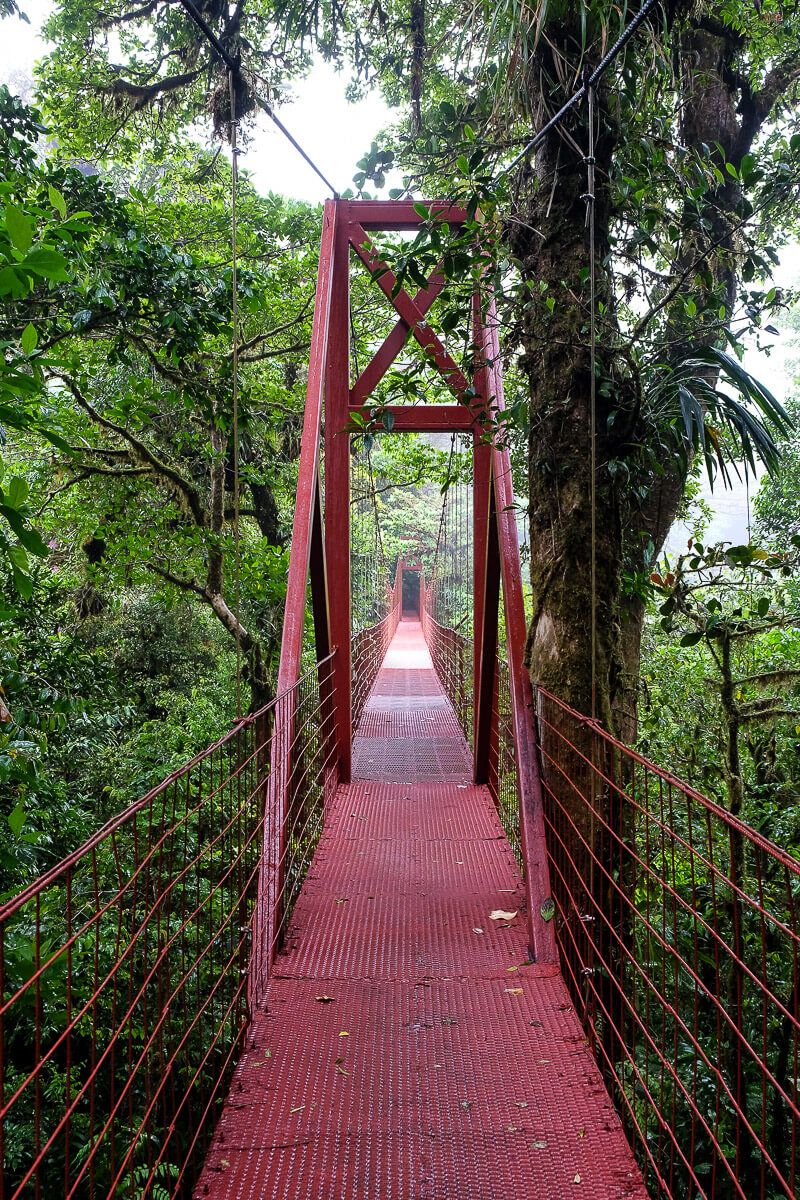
(486, 570)
(488, 601)
(526, 750)
(337, 486)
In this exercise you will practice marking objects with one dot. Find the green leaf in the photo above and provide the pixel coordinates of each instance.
(29, 339)
(58, 202)
(16, 818)
(12, 283)
(17, 492)
(691, 639)
(18, 557)
(29, 538)
(48, 263)
(19, 226)
(23, 583)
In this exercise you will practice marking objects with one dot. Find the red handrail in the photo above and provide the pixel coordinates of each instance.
(124, 969)
(679, 932)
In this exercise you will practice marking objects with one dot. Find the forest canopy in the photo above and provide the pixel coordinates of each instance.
(119, 555)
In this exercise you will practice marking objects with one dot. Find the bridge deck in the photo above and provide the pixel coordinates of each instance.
(409, 1051)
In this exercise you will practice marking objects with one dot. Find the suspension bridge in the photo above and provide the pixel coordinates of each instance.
(412, 930)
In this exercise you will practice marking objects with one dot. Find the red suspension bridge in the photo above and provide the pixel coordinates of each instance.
(411, 930)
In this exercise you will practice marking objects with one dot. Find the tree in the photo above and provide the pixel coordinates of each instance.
(695, 183)
(729, 599)
(695, 179)
(133, 346)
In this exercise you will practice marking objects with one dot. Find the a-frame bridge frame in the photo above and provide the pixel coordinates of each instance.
(321, 541)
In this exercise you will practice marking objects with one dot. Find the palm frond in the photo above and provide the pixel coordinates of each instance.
(715, 407)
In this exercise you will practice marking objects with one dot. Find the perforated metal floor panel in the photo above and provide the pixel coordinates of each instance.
(408, 1050)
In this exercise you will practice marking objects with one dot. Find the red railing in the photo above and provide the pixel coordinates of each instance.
(369, 647)
(452, 655)
(124, 971)
(679, 933)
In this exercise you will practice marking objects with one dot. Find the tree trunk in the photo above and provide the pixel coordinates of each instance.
(552, 245)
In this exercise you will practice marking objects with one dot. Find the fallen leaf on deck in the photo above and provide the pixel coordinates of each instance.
(466, 1105)
(512, 969)
(477, 929)
(581, 1133)
(514, 991)
(577, 1179)
(342, 1071)
(522, 1103)
(540, 1145)
(324, 999)
(499, 915)
(344, 1033)
(299, 1108)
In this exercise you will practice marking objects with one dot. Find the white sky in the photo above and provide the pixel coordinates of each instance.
(336, 134)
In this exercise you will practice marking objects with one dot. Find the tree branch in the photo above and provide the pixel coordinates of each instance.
(143, 95)
(143, 453)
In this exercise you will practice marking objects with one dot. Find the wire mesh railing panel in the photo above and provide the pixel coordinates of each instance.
(503, 781)
(369, 648)
(679, 931)
(311, 778)
(452, 657)
(368, 569)
(124, 971)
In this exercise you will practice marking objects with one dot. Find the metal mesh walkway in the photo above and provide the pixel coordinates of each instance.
(409, 1050)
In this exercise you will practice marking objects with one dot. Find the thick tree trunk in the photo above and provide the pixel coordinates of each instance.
(552, 245)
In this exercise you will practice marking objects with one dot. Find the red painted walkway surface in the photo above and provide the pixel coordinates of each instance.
(408, 1051)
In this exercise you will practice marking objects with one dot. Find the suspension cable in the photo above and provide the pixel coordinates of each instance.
(590, 82)
(235, 388)
(234, 67)
(589, 197)
(374, 496)
(444, 508)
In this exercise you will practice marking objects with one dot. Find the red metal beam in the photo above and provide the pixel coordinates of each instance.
(308, 471)
(487, 603)
(410, 312)
(394, 215)
(481, 503)
(380, 362)
(424, 418)
(529, 781)
(337, 490)
(321, 608)
(270, 885)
